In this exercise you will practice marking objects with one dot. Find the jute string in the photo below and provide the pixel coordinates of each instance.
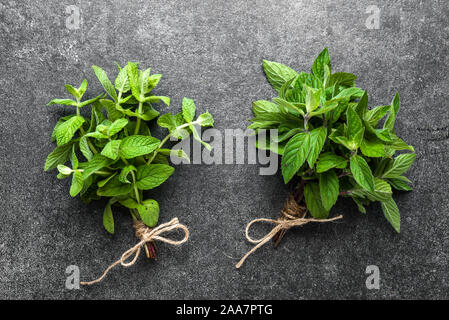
(145, 235)
(289, 219)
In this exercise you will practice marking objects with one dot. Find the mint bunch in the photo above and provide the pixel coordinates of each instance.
(120, 159)
(331, 140)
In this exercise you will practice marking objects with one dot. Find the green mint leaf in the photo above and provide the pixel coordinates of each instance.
(114, 188)
(121, 82)
(359, 204)
(188, 109)
(391, 212)
(133, 77)
(77, 183)
(105, 82)
(66, 102)
(313, 98)
(295, 154)
(372, 149)
(55, 129)
(157, 99)
(355, 128)
(205, 120)
(400, 165)
(67, 129)
(313, 201)
(263, 107)
(374, 115)
(153, 175)
(97, 162)
(328, 161)
(108, 218)
(137, 145)
(149, 114)
(82, 89)
(125, 172)
(196, 136)
(317, 139)
(349, 93)
(167, 121)
(117, 126)
(58, 156)
(362, 173)
(342, 79)
(103, 182)
(70, 89)
(175, 152)
(74, 158)
(321, 61)
(153, 80)
(143, 82)
(129, 203)
(149, 212)
(399, 144)
(398, 184)
(112, 109)
(278, 74)
(90, 101)
(362, 106)
(64, 169)
(329, 188)
(394, 109)
(112, 149)
(324, 109)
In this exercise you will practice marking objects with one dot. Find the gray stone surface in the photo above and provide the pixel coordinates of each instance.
(211, 51)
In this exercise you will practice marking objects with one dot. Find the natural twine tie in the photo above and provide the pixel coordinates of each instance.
(145, 235)
(289, 218)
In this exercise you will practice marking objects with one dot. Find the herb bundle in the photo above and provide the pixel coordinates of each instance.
(121, 157)
(332, 142)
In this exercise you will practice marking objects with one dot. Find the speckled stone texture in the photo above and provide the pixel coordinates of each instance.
(212, 51)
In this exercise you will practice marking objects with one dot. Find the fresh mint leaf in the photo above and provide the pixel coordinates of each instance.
(58, 156)
(328, 161)
(295, 154)
(321, 61)
(362, 172)
(317, 139)
(137, 145)
(400, 165)
(114, 188)
(149, 212)
(329, 188)
(77, 183)
(188, 109)
(112, 149)
(67, 129)
(108, 218)
(105, 82)
(152, 176)
(277, 73)
(313, 201)
(391, 212)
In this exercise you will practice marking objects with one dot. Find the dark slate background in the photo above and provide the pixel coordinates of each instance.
(212, 51)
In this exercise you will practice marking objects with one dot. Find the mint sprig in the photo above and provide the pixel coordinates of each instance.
(332, 141)
(119, 158)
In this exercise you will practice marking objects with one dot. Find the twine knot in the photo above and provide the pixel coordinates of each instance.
(289, 219)
(145, 235)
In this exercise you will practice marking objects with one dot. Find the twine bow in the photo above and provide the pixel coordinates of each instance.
(281, 224)
(145, 235)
